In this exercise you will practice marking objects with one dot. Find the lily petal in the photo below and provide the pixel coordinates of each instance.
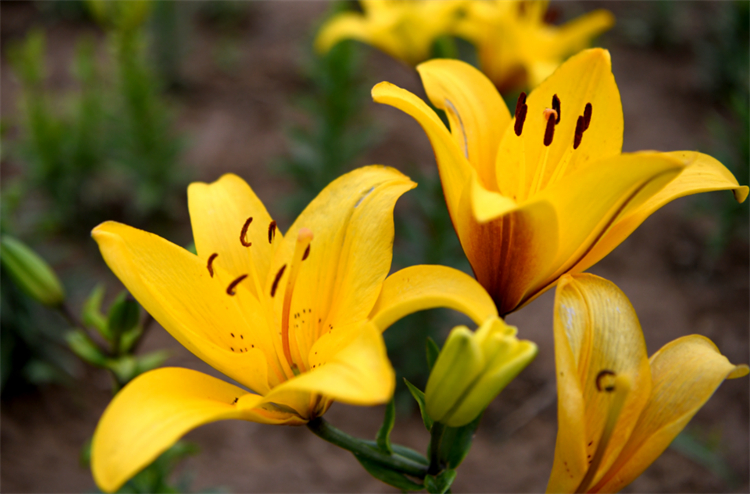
(175, 287)
(576, 35)
(702, 173)
(524, 164)
(477, 114)
(351, 250)
(218, 213)
(426, 287)
(589, 201)
(156, 409)
(346, 25)
(686, 372)
(453, 166)
(360, 374)
(596, 329)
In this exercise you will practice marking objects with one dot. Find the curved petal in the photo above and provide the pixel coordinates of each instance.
(156, 409)
(453, 166)
(477, 114)
(346, 25)
(589, 201)
(702, 173)
(218, 213)
(577, 34)
(427, 287)
(596, 329)
(350, 254)
(686, 372)
(175, 287)
(525, 165)
(358, 373)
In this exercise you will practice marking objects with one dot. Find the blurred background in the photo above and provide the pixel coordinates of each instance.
(109, 109)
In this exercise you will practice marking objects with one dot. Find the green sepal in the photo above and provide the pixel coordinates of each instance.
(433, 350)
(85, 348)
(419, 397)
(383, 437)
(441, 483)
(456, 443)
(91, 312)
(388, 476)
(123, 314)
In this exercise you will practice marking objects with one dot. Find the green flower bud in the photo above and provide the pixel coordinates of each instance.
(30, 272)
(123, 314)
(473, 368)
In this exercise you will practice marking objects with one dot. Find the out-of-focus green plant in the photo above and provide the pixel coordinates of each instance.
(336, 132)
(87, 151)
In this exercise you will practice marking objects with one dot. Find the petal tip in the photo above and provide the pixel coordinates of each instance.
(739, 371)
(740, 193)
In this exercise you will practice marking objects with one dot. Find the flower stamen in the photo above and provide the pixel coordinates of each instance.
(211, 259)
(618, 384)
(276, 280)
(521, 110)
(231, 288)
(271, 231)
(243, 233)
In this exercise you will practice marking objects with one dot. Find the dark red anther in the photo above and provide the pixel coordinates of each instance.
(556, 107)
(276, 280)
(610, 387)
(579, 133)
(271, 231)
(233, 285)
(549, 132)
(521, 109)
(587, 116)
(211, 259)
(243, 233)
(304, 256)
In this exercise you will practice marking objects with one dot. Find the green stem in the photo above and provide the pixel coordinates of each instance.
(436, 438)
(329, 433)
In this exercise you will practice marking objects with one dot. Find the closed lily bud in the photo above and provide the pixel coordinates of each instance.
(30, 272)
(472, 368)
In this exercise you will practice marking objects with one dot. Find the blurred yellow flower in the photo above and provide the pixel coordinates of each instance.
(472, 368)
(548, 191)
(295, 318)
(618, 410)
(405, 29)
(516, 47)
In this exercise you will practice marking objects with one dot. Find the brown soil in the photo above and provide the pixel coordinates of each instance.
(235, 123)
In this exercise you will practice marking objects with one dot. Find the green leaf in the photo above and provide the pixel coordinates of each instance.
(151, 361)
(125, 368)
(410, 454)
(129, 338)
(433, 350)
(91, 312)
(419, 397)
(441, 483)
(388, 476)
(456, 443)
(86, 349)
(384, 434)
(123, 314)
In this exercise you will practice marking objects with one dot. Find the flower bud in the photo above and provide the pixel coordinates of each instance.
(30, 272)
(473, 368)
(123, 314)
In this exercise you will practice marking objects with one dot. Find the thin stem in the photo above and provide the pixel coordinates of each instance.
(435, 440)
(329, 433)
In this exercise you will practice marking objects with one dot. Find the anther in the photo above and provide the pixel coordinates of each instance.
(233, 285)
(235, 401)
(610, 386)
(587, 116)
(271, 231)
(521, 109)
(579, 133)
(556, 107)
(210, 262)
(243, 234)
(304, 256)
(232, 334)
(549, 132)
(276, 280)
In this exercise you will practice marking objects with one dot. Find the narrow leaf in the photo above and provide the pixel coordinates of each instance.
(433, 350)
(384, 434)
(419, 397)
(457, 441)
(441, 483)
(388, 476)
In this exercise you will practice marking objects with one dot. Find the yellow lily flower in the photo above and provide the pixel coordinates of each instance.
(404, 29)
(547, 191)
(618, 410)
(295, 318)
(516, 47)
